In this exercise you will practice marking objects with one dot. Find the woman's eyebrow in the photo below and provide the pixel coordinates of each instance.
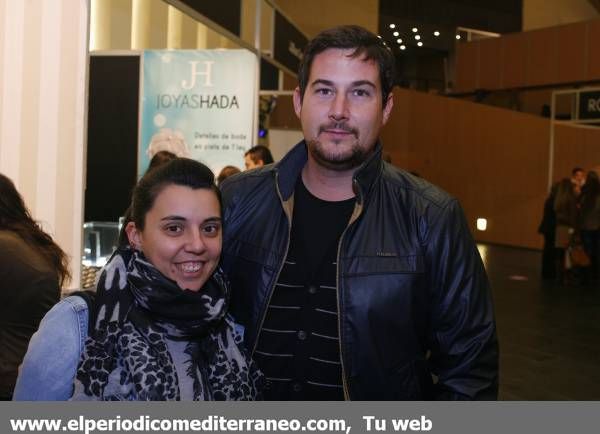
(173, 217)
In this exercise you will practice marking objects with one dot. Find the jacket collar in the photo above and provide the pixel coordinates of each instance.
(290, 167)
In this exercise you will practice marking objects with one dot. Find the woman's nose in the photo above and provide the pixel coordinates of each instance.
(195, 242)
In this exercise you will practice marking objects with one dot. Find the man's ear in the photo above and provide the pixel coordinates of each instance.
(297, 101)
(134, 236)
(387, 108)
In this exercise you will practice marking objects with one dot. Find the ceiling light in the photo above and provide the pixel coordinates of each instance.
(481, 224)
(392, 26)
(417, 37)
(379, 36)
(399, 40)
(420, 44)
(403, 47)
(457, 36)
(436, 33)
(415, 30)
(396, 33)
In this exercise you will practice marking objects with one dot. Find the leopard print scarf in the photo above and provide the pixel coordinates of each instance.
(137, 309)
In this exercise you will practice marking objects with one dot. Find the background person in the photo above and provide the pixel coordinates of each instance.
(159, 328)
(590, 223)
(33, 269)
(257, 156)
(568, 219)
(226, 172)
(354, 279)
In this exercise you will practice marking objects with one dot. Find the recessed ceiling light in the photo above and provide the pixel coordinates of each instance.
(396, 33)
(379, 36)
(392, 26)
(415, 30)
(399, 40)
(436, 33)
(403, 47)
(420, 44)
(457, 36)
(417, 37)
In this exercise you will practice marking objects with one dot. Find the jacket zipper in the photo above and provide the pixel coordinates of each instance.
(280, 266)
(337, 294)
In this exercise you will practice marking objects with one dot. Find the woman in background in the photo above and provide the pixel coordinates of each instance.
(33, 269)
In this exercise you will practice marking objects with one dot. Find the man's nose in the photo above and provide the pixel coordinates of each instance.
(339, 107)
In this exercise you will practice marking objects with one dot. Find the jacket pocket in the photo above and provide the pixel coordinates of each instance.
(250, 252)
(383, 264)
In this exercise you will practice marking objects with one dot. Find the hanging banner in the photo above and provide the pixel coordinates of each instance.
(197, 104)
(289, 43)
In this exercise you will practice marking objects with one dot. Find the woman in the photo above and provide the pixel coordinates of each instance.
(159, 329)
(32, 271)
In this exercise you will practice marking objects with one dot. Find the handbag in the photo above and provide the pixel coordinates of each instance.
(578, 256)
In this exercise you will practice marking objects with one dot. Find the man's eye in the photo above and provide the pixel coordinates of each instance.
(324, 91)
(361, 92)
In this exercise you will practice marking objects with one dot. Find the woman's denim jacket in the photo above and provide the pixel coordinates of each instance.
(49, 367)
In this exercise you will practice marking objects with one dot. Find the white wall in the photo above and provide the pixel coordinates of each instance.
(547, 13)
(43, 75)
(281, 141)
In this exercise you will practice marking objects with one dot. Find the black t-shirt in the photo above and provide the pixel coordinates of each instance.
(298, 347)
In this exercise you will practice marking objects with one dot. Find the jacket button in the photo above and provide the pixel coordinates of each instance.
(302, 335)
(312, 289)
(296, 387)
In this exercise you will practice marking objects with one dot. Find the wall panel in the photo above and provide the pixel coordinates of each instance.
(542, 58)
(493, 160)
(571, 52)
(551, 56)
(490, 63)
(43, 66)
(593, 51)
(514, 59)
(467, 63)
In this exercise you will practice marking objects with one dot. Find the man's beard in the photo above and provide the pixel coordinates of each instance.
(331, 161)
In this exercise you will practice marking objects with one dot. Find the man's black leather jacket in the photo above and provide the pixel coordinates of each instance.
(416, 317)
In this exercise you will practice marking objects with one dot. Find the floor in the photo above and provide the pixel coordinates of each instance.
(549, 334)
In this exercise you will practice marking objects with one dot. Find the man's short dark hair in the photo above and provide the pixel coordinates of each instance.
(365, 44)
(260, 152)
(575, 170)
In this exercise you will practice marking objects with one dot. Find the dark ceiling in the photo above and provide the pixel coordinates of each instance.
(426, 62)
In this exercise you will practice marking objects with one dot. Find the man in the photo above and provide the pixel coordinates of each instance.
(257, 156)
(354, 279)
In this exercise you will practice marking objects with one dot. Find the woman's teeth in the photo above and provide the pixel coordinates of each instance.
(190, 267)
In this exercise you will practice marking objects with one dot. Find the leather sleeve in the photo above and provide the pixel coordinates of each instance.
(464, 346)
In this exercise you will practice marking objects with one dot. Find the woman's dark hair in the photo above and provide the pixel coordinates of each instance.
(160, 158)
(180, 171)
(366, 45)
(15, 217)
(590, 191)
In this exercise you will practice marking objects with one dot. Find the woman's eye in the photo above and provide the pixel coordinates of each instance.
(173, 229)
(212, 229)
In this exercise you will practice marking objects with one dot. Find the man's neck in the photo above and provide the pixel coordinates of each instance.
(327, 184)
